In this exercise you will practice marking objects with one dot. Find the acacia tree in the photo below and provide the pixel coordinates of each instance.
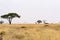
(10, 16)
(39, 21)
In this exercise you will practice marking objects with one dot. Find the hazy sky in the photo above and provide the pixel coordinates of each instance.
(32, 10)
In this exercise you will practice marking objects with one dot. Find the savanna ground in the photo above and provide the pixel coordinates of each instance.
(30, 31)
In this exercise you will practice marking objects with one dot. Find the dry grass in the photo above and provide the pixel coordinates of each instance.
(30, 31)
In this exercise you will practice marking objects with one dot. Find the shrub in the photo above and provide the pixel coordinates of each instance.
(23, 27)
(1, 22)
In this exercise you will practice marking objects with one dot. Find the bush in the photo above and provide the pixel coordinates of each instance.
(23, 27)
(1, 22)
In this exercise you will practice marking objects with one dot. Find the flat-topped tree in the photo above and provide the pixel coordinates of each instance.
(10, 16)
(39, 21)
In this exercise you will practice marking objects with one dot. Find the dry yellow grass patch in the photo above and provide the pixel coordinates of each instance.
(30, 31)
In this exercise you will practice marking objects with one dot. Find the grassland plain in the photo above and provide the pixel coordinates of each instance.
(30, 31)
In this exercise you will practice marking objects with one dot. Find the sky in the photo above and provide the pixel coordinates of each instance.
(31, 10)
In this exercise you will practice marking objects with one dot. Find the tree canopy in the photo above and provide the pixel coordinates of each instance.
(39, 21)
(10, 16)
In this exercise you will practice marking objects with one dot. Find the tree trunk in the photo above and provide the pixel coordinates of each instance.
(10, 20)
